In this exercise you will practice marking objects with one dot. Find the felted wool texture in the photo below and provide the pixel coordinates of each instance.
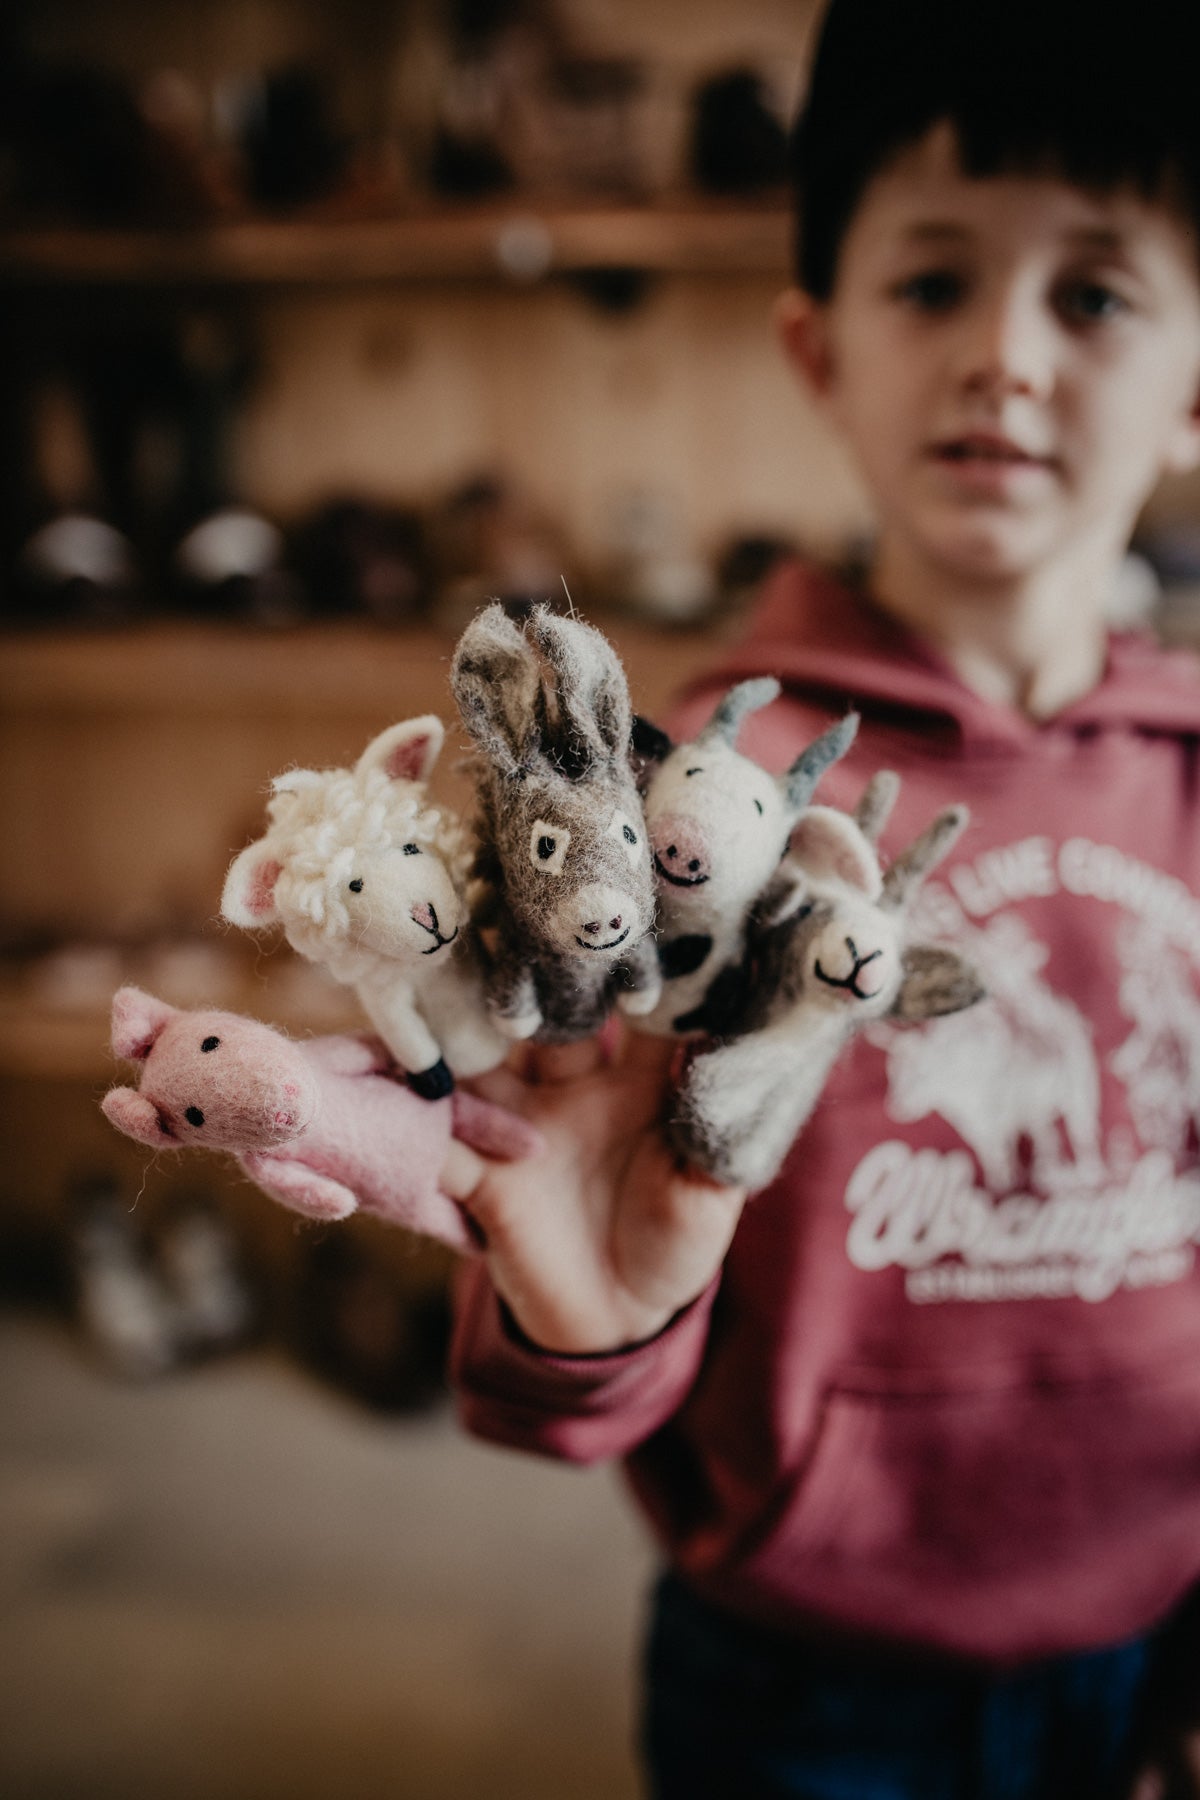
(367, 880)
(832, 956)
(718, 825)
(324, 1126)
(561, 851)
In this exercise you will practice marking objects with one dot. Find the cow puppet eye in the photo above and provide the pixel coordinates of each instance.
(548, 845)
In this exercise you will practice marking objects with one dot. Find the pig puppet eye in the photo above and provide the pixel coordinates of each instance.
(548, 845)
(626, 833)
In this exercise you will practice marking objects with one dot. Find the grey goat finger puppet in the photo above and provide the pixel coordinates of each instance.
(719, 826)
(830, 954)
(562, 852)
(367, 880)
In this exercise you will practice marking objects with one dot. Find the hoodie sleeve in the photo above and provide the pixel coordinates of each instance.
(579, 1408)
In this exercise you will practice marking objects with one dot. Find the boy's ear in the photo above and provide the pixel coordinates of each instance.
(803, 331)
(1183, 451)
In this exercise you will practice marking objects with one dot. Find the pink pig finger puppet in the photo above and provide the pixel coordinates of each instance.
(719, 825)
(367, 880)
(322, 1126)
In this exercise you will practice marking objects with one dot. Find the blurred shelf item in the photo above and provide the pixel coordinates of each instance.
(512, 242)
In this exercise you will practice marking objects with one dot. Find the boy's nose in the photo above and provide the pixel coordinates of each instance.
(1007, 349)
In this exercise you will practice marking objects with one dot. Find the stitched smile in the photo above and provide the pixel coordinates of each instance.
(611, 944)
(849, 982)
(680, 880)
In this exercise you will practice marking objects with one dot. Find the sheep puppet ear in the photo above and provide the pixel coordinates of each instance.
(248, 898)
(137, 1019)
(405, 752)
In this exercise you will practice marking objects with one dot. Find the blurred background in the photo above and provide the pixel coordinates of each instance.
(320, 326)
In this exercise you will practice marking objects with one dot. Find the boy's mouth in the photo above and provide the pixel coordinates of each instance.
(986, 449)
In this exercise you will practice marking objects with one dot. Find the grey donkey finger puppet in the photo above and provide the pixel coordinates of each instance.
(562, 854)
(368, 880)
(830, 953)
(719, 826)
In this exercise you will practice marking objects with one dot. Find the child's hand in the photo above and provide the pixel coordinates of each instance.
(600, 1239)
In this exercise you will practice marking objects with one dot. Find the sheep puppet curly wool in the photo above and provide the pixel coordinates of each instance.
(323, 1126)
(719, 826)
(562, 864)
(828, 953)
(367, 880)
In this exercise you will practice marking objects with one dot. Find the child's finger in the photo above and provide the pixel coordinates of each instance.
(643, 1053)
(462, 1171)
(554, 1063)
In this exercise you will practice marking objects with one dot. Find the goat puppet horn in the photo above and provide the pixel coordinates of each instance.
(910, 868)
(799, 784)
(746, 697)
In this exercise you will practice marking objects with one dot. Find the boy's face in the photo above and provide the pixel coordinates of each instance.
(1014, 361)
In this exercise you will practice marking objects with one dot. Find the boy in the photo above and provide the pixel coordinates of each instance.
(919, 1428)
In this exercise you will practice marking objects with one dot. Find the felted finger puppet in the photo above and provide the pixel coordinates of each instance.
(324, 1126)
(367, 880)
(829, 953)
(561, 844)
(719, 826)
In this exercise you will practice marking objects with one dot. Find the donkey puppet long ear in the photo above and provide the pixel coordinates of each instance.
(137, 1019)
(588, 702)
(494, 679)
(248, 898)
(405, 752)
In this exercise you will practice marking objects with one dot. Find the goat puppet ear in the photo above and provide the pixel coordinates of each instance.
(137, 1019)
(781, 897)
(248, 898)
(830, 846)
(935, 982)
(405, 752)
(133, 1114)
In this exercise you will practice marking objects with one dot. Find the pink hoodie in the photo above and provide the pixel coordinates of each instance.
(946, 1392)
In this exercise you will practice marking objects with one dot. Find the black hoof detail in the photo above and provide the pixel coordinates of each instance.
(433, 1083)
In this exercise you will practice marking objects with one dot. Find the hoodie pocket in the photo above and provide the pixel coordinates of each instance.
(1000, 1523)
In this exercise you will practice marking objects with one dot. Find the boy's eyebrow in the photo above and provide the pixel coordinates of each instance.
(941, 231)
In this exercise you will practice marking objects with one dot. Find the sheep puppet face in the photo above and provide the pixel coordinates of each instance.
(354, 865)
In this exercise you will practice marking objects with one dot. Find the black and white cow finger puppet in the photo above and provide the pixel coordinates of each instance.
(830, 952)
(719, 826)
(368, 880)
(562, 861)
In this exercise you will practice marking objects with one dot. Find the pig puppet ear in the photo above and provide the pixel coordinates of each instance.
(830, 846)
(133, 1114)
(137, 1019)
(248, 898)
(405, 752)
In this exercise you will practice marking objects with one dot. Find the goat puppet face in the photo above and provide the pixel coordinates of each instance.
(211, 1078)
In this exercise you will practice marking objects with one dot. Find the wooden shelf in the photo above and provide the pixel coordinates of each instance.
(515, 242)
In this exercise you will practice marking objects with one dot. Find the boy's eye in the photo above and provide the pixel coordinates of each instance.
(1090, 302)
(933, 290)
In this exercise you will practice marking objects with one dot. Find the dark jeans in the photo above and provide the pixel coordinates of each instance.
(736, 1713)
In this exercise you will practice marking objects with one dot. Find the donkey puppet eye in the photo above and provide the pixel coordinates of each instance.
(548, 846)
(627, 834)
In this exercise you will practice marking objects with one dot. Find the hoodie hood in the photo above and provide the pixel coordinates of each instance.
(831, 647)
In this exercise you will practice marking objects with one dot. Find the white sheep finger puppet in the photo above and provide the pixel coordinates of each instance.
(719, 826)
(323, 1125)
(829, 954)
(367, 880)
(561, 844)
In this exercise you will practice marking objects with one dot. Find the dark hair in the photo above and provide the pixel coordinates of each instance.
(1102, 96)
